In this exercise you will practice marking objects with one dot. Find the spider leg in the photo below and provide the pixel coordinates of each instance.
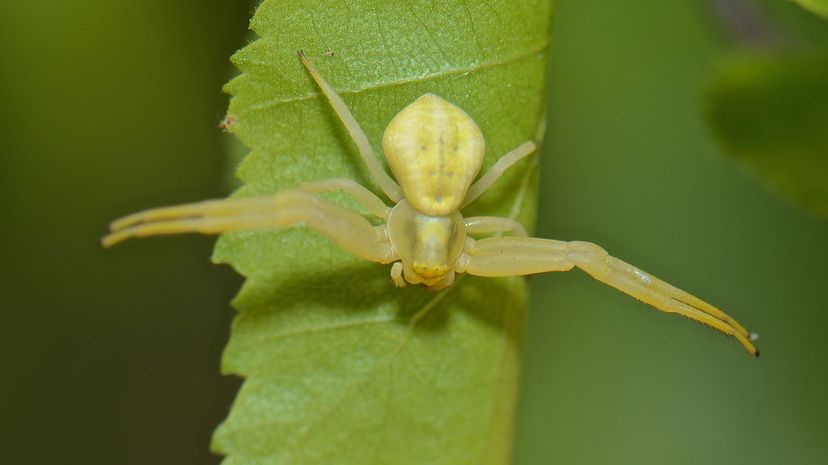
(397, 274)
(491, 224)
(363, 196)
(501, 165)
(510, 256)
(378, 174)
(348, 229)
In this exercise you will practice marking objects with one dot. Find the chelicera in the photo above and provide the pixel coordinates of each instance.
(435, 151)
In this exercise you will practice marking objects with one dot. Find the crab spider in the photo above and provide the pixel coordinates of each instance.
(434, 150)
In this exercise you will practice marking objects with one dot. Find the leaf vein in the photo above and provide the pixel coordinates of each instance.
(427, 307)
(534, 50)
(382, 363)
(328, 327)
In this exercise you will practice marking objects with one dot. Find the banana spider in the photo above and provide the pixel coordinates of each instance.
(434, 150)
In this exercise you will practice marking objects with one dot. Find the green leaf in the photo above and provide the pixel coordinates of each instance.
(819, 7)
(341, 366)
(771, 112)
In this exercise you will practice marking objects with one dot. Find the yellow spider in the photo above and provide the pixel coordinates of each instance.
(435, 151)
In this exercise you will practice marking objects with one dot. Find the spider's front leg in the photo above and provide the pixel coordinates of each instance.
(348, 229)
(511, 256)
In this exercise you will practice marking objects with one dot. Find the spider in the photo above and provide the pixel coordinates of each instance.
(435, 151)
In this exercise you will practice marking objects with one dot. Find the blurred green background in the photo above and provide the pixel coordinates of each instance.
(111, 106)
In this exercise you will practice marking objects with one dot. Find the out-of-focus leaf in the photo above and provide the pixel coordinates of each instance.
(772, 114)
(342, 367)
(819, 7)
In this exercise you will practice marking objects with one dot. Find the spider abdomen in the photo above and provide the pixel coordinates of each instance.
(435, 150)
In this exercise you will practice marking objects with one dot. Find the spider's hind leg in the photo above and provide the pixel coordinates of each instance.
(378, 174)
(494, 224)
(496, 171)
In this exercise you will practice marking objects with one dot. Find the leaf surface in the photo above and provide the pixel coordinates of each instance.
(819, 7)
(771, 112)
(341, 366)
